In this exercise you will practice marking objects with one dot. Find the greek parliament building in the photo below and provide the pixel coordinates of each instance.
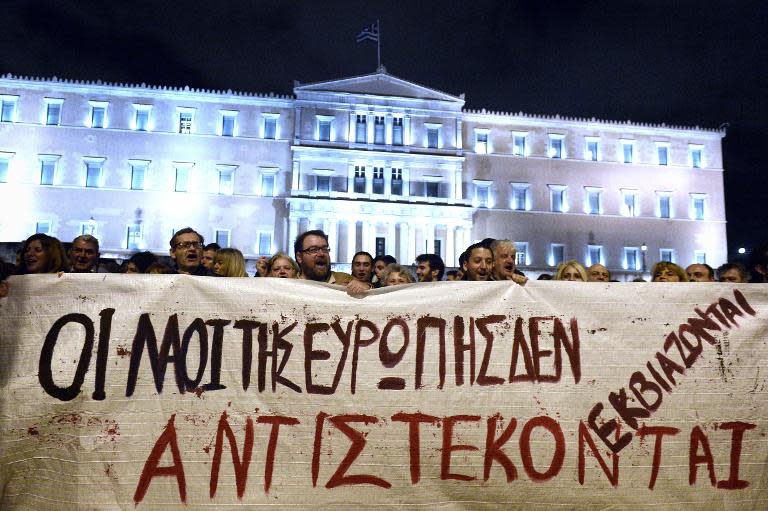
(379, 163)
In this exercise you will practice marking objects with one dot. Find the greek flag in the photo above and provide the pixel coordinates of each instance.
(369, 33)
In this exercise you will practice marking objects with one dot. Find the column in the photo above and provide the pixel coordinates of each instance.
(351, 178)
(293, 232)
(457, 184)
(388, 178)
(406, 181)
(402, 257)
(295, 176)
(450, 246)
(407, 130)
(351, 239)
(391, 243)
(368, 179)
(352, 127)
(297, 126)
(429, 239)
(388, 129)
(332, 230)
(458, 134)
(366, 237)
(369, 118)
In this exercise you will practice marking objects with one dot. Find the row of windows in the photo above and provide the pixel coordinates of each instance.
(592, 148)
(630, 258)
(559, 201)
(93, 174)
(134, 238)
(142, 117)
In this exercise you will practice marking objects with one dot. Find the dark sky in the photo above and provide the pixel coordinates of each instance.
(676, 61)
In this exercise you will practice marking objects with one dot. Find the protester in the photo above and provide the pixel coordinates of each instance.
(379, 263)
(209, 255)
(140, 262)
(261, 267)
(41, 253)
(544, 276)
(6, 270)
(665, 271)
(571, 270)
(362, 267)
(187, 252)
(394, 274)
(429, 268)
(598, 273)
(700, 273)
(159, 268)
(229, 262)
(504, 262)
(758, 263)
(478, 263)
(313, 257)
(732, 272)
(452, 275)
(282, 266)
(84, 254)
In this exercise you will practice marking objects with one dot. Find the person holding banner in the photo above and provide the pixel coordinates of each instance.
(314, 259)
(395, 274)
(478, 263)
(665, 271)
(505, 264)
(571, 270)
(187, 252)
(281, 266)
(41, 253)
(229, 262)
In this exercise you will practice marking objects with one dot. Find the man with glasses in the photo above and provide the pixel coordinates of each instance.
(313, 256)
(187, 252)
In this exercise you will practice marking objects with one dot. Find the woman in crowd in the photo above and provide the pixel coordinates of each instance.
(571, 270)
(229, 262)
(140, 262)
(282, 266)
(394, 274)
(41, 253)
(665, 271)
(379, 263)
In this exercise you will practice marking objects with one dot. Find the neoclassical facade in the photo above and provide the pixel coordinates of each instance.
(381, 164)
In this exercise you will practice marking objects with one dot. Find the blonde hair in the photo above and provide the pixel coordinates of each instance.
(281, 255)
(233, 262)
(395, 268)
(564, 265)
(666, 265)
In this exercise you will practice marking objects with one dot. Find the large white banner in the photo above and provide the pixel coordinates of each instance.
(139, 392)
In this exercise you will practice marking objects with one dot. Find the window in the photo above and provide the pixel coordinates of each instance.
(323, 184)
(8, 108)
(138, 174)
(378, 129)
(98, 114)
(628, 151)
(594, 254)
(397, 131)
(397, 181)
(324, 128)
(556, 254)
(182, 177)
(694, 155)
(631, 258)
(667, 254)
(228, 118)
(664, 204)
(270, 126)
(378, 180)
(265, 241)
(133, 237)
(556, 146)
(522, 257)
(594, 200)
(630, 202)
(432, 186)
(53, 111)
(359, 182)
(222, 237)
(5, 163)
(520, 144)
(700, 256)
(698, 206)
(592, 149)
(88, 227)
(557, 194)
(482, 193)
(226, 179)
(662, 153)
(141, 117)
(43, 226)
(361, 129)
(481, 141)
(433, 136)
(93, 167)
(521, 196)
(186, 118)
(48, 166)
(381, 246)
(268, 182)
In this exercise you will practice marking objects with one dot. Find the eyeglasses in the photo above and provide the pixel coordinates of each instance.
(317, 250)
(188, 244)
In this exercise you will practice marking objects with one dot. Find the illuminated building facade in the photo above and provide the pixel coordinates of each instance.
(381, 164)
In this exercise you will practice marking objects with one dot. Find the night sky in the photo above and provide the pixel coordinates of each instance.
(676, 61)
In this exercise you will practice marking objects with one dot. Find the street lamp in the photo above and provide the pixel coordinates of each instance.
(643, 249)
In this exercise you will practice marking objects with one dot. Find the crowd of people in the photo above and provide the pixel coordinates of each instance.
(490, 259)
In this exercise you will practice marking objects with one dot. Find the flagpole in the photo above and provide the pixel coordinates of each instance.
(378, 45)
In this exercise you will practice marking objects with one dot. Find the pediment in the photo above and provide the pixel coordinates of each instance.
(377, 84)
